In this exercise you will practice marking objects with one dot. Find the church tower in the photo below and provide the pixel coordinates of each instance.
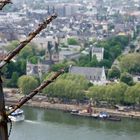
(49, 50)
(55, 56)
(52, 52)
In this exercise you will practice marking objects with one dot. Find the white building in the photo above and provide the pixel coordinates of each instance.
(98, 52)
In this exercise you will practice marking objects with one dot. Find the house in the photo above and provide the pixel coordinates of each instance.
(98, 52)
(94, 75)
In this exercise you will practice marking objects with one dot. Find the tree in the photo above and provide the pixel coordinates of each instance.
(72, 41)
(115, 93)
(114, 73)
(127, 78)
(27, 84)
(124, 40)
(87, 61)
(132, 94)
(33, 59)
(130, 63)
(68, 86)
(19, 67)
(12, 45)
(26, 52)
(105, 62)
(115, 51)
(83, 60)
(112, 48)
(97, 93)
(14, 79)
(29, 51)
(58, 66)
(93, 62)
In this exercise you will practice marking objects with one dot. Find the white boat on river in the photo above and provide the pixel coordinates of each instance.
(17, 115)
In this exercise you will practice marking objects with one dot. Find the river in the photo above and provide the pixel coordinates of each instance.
(43, 124)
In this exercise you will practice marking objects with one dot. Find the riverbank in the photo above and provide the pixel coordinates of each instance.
(12, 99)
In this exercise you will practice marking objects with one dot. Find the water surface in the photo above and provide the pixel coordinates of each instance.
(42, 124)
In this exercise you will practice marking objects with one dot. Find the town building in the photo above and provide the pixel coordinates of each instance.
(94, 75)
(52, 51)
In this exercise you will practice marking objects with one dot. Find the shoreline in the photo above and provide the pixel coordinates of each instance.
(69, 107)
(12, 98)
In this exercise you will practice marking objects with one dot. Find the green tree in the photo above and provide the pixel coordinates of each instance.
(18, 66)
(97, 93)
(105, 63)
(115, 93)
(33, 59)
(127, 78)
(130, 63)
(26, 52)
(112, 49)
(27, 83)
(58, 66)
(114, 72)
(132, 94)
(84, 60)
(14, 79)
(68, 86)
(12, 45)
(124, 40)
(72, 41)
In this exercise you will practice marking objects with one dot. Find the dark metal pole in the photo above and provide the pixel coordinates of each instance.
(3, 116)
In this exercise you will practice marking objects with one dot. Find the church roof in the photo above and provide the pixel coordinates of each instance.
(91, 73)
